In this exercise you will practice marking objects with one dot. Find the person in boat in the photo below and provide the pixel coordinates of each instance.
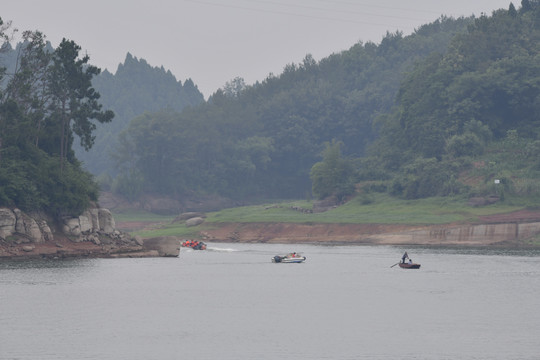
(405, 256)
(410, 261)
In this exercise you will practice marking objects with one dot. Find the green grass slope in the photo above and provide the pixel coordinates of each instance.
(381, 209)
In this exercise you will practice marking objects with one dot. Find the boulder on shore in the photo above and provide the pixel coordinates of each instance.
(92, 234)
(189, 215)
(166, 246)
(194, 221)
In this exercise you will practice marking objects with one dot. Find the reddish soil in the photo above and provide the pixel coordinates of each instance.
(319, 233)
(60, 247)
(261, 233)
(286, 232)
(297, 233)
(521, 216)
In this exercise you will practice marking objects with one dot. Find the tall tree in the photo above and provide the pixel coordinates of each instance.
(28, 84)
(4, 47)
(73, 99)
(334, 175)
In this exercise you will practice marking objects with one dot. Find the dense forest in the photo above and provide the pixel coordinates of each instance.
(443, 111)
(412, 113)
(475, 108)
(262, 140)
(46, 100)
(135, 88)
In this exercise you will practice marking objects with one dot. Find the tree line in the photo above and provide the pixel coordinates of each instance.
(262, 140)
(468, 103)
(407, 116)
(413, 113)
(46, 101)
(134, 89)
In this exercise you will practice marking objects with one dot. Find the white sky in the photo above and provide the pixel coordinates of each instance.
(214, 41)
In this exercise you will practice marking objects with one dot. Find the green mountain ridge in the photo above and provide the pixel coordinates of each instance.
(262, 140)
(134, 89)
(450, 110)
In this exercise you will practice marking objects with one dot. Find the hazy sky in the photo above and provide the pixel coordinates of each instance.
(214, 41)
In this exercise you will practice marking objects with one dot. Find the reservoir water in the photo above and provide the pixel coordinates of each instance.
(232, 302)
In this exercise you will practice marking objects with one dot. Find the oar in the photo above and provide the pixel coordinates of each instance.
(394, 265)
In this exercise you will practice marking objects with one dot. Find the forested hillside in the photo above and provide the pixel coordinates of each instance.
(262, 140)
(452, 109)
(474, 109)
(46, 101)
(134, 89)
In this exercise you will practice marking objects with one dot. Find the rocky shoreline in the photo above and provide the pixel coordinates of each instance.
(92, 234)
(96, 234)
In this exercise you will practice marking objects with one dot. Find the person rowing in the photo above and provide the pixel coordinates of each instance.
(405, 256)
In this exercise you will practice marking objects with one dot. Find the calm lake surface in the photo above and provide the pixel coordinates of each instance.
(231, 302)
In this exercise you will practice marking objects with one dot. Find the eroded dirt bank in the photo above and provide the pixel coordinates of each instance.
(515, 229)
(299, 233)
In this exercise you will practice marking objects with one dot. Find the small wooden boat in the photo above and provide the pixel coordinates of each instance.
(409, 266)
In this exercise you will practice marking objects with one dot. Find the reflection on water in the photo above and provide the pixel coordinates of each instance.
(231, 302)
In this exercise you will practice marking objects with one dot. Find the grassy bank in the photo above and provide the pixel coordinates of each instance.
(378, 208)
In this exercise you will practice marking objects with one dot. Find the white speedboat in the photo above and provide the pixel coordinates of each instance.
(289, 258)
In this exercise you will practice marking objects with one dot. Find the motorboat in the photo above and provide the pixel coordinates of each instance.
(289, 258)
(195, 245)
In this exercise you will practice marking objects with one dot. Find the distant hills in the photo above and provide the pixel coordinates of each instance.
(444, 111)
(262, 140)
(134, 89)
(414, 114)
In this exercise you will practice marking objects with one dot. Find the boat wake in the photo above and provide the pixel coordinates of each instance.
(211, 248)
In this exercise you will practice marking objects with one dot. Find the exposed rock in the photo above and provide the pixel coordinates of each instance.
(93, 233)
(46, 231)
(194, 221)
(85, 222)
(7, 222)
(138, 240)
(27, 226)
(106, 221)
(72, 226)
(168, 246)
(188, 215)
(28, 248)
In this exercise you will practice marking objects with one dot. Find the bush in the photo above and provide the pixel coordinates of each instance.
(467, 144)
(427, 177)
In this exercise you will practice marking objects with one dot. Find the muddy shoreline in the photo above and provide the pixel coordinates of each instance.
(508, 235)
(518, 230)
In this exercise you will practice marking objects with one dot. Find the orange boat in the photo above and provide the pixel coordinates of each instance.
(195, 245)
